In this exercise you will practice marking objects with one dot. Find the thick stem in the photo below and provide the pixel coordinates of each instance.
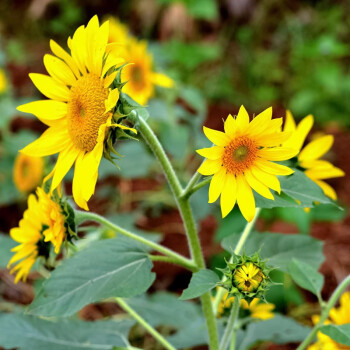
(233, 339)
(230, 324)
(330, 304)
(248, 228)
(186, 214)
(144, 324)
(171, 260)
(176, 258)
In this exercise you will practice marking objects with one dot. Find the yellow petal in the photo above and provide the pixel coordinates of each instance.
(277, 153)
(242, 120)
(50, 87)
(299, 135)
(273, 139)
(162, 80)
(316, 164)
(257, 186)
(317, 148)
(216, 185)
(52, 141)
(78, 46)
(59, 70)
(121, 126)
(327, 189)
(260, 122)
(209, 167)
(327, 173)
(267, 179)
(76, 186)
(289, 124)
(245, 198)
(212, 153)
(112, 100)
(273, 168)
(228, 194)
(230, 126)
(109, 79)
(217, 137)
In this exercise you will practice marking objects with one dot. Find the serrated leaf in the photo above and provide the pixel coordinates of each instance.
(201, 282)
(109, 268)
(280, 249)
(341, 333)
(32, 333)
(306, 276)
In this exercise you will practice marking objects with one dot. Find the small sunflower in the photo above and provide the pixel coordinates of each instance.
(3, 82)
(42, 225)
(139, 74)
(27, 172)
(80, 107)
(241, 160)
(248, 277)
(309, 157)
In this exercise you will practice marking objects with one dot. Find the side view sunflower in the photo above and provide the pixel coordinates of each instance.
(242, 159)
(27, 172)
(309, 157)
(42, 226)
(80, 107)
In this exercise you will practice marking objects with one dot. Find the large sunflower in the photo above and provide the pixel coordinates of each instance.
(79, 109)
(43, 224)
(241, 159)
(309, 157)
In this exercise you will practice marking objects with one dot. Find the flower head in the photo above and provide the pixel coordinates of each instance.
(309, 157)
(241, 160)
(44, 224)
(3, 82)
(80, 107)
(27, 172)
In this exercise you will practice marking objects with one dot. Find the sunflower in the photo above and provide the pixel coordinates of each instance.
(27, 172)
(139, 73)
(309, 157)
(3, 82)
(248, 277)
(241, 159)
(42, 225)
(79, 109)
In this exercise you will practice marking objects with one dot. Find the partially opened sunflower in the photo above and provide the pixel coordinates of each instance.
(80, 107)
(241, 160)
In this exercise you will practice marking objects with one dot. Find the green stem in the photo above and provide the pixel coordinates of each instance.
(331, 302)
(248, 228)
(186, 214)
(176, 258)
(188, 192)
(194, 179)
(171, 260)
(233, 339)
(144, 324)
(230, 324)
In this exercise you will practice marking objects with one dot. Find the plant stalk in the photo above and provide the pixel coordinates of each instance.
(230, 324)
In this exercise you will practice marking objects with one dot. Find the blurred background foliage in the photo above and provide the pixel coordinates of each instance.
(289, 54)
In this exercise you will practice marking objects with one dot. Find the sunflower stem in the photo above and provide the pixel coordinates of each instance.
(331, 302)
(230, 324)
(248, 228)
(144, 324)
(175, 257)
(186, 214)
(190, 190)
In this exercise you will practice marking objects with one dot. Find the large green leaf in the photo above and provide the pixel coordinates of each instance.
(341, 334)
(109, 268)
(32, 333)
(6, 244)
(280, 249)
(279, 330)
(306, 276)
(201, 282)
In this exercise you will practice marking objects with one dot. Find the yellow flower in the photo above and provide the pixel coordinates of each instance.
(3, 82)
(118, 32)
(248, 277)
(27, 172)
(139, 74)
(262, 311)
(42, 222)
(338, 316)
(225, 303)
(79, 109)
(309, 157)
(241, 160)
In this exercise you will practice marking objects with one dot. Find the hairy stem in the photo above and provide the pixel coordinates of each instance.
(330, 304)
(144, 324)
(248, 228)
(230, 324)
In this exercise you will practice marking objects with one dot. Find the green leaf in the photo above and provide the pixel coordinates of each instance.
(280, 330)
(201, 282)
(32, 333)
(306, 276)
(280, 249)
(341, 334)
(109, 268)
(6, 244)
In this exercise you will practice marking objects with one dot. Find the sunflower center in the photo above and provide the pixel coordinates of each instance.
(136, 74)
(86, 111)
(239, 155)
